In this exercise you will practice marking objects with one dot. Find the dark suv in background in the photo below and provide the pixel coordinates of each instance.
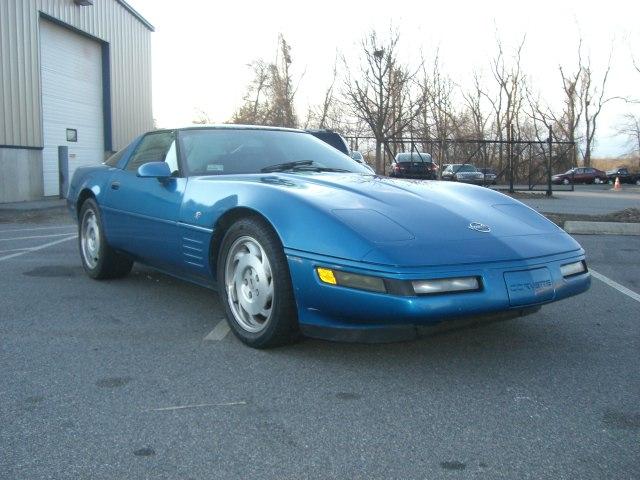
(414, 165)
(334, 139)
(624, 175)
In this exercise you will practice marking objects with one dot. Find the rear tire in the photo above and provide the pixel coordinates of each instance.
(99, 260)
(254, 284)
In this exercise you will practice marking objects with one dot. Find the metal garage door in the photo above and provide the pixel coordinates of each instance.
(71, 100)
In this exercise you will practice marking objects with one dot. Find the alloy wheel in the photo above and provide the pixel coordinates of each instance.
(249, 283)
(90, 239)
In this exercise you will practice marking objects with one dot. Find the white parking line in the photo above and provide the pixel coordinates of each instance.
(219, 332)
(616, 285)
(197, 405)
(58, 227)
(15, 250)
(34, 236)
(35, 249)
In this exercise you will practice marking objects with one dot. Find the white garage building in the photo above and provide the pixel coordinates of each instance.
(73, 73)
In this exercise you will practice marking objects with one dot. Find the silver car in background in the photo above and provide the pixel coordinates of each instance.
(466, 173)
(358, 157)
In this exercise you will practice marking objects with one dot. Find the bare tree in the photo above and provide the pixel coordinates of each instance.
(475, 112)
(270, 95)
(592, 97)
(509, 78)
(380, 93)
(329, 99)
(283, 91)
(630, 128)
(636, 66)
(507, 102)
(573, 107)
(201, 118)
(256, 106)
(329, 113)
(437, 119)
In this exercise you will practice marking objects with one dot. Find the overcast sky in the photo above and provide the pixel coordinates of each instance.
(201, 48)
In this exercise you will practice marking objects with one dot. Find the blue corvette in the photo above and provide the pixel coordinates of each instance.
(299, 238)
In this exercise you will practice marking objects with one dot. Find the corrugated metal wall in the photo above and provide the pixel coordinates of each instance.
(130, 64)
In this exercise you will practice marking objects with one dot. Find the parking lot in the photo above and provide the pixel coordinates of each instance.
(137, 378)
(586, 200)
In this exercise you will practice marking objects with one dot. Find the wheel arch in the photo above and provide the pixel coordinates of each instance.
(84, 194)
(223, 224)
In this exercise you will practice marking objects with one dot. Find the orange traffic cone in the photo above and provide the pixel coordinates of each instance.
(616, 186)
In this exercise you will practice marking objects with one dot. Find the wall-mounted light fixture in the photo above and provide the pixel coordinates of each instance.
(83, 3)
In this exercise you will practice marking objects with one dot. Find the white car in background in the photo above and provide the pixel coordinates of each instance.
(358, 157)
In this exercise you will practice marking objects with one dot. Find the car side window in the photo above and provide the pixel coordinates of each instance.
(154, 147)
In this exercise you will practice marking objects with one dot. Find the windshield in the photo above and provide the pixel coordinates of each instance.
(228, 151)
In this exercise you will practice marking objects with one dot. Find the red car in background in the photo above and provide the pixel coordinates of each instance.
(580, 175)
(414, 165)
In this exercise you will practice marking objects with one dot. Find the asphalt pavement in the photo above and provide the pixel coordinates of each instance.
(139, 378)
(584, 200)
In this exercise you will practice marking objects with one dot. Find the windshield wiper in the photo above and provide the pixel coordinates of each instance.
(309, 168)
(281, 167)
(301, 166)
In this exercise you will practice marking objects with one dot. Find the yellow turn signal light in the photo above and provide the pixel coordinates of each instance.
(327, 275)
(351, 280)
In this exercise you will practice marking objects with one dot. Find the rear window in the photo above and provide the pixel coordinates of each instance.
(413, 157)
(465, 168)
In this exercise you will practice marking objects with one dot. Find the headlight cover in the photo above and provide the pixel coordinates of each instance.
(446, 285)
(398, 287)
(574, 268)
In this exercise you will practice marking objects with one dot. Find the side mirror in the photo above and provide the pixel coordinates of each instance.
(159, 170)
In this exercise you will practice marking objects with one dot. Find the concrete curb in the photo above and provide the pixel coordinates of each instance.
(601, 228)
(37, 205)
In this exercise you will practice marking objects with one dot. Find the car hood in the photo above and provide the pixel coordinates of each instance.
(418, 223)
(384, 221)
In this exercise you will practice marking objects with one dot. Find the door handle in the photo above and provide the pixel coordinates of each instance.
(115, 185)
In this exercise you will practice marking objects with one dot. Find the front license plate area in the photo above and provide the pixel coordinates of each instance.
(528, 287)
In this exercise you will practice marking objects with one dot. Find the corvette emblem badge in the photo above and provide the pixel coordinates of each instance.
(479, 227)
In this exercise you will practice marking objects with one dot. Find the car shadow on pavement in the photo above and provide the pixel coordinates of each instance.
(534, 339)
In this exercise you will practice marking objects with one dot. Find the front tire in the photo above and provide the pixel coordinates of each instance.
(566, 181)
(255, 285)
(99, 260)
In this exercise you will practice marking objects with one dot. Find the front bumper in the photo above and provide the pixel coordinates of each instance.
(414, 175)
(472, 180)
(330, 311)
